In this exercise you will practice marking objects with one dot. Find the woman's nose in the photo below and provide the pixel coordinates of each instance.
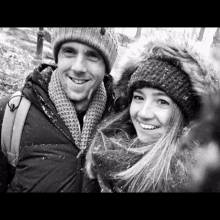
(146, 112)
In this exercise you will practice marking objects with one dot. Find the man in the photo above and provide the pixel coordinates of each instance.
(68, 100)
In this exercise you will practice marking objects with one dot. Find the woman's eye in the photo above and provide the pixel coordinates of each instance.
(137, 97)
(163, 102)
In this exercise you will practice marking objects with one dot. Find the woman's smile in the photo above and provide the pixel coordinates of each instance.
(148, 127)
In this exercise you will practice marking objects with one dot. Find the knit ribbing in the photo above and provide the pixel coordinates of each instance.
(67, 112)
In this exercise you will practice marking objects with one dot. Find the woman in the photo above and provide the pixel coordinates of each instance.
(163, 79)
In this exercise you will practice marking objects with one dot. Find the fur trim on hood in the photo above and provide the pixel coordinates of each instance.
(203, 74)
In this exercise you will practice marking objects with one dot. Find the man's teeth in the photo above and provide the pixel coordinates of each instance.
(149, 127)
(77, 81)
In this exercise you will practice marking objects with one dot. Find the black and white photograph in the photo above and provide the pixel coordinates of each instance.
(110, 109)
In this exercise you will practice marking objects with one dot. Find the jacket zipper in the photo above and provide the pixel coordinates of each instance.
(81, 150)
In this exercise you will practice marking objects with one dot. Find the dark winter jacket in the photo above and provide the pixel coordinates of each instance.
(48, 159)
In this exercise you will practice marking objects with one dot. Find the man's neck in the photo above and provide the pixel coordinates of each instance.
(81, 106)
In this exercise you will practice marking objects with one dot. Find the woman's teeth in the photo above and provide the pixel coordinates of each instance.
(148, 127)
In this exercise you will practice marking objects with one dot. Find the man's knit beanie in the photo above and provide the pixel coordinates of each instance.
(166, 75)
(104, 40)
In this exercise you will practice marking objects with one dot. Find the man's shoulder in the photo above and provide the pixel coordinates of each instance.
(41, 74)
(43, 66)
(45, 70)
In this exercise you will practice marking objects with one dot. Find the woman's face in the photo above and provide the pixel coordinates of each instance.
(150, 112)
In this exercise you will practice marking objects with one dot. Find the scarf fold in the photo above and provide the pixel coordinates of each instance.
(111, 156)
(67, 112)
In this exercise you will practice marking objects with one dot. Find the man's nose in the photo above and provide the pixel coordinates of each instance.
(79, 64)
(147, 111)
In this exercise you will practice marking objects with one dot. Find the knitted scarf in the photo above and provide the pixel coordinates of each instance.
(110, 157)
(67, 111)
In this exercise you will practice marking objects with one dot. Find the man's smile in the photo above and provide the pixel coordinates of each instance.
(78, 81)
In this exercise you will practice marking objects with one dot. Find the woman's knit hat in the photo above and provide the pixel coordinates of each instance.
(104, 40)
(172, 62)
(166, 76)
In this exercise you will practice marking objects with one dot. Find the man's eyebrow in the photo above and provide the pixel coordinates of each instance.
(92, 50)
(67, 47)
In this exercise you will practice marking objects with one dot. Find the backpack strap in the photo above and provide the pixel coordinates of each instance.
(12, 126)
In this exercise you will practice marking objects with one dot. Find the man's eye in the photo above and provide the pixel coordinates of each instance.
(69, 52)
(93, 56)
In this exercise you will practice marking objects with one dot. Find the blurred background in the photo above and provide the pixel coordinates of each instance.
(22, 49)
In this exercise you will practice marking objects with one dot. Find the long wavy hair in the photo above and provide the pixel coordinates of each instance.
(163, 166)
(161, 169)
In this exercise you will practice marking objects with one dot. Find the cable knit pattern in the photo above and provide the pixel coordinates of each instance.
(67, 111)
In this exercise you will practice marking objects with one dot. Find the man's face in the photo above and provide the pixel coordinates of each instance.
(81, 71)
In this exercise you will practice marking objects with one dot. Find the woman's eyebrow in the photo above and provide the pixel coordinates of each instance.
(138, 91)
(159, 94)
